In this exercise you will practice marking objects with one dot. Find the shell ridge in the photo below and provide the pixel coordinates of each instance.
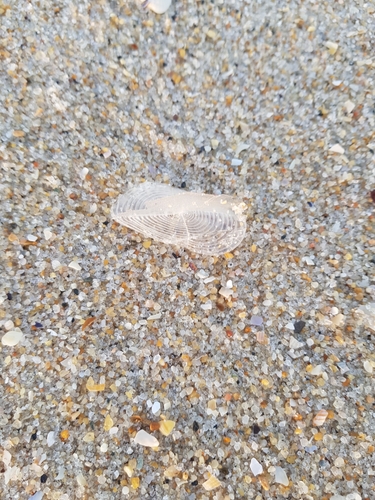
(203, 223)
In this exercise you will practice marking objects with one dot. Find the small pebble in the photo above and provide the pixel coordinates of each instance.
(299, 326)
(256, 320)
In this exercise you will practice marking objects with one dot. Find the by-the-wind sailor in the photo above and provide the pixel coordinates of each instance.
(203, 223)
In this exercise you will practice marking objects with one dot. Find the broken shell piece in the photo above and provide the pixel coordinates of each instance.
(337, 149)
(256, 467)
(166, 427)
(145, 439)
(211, 483)
(366, 315)
(281, 477)
(265, 484)
(12, 338)
(172, 471)
(203, 223)
(262, 338)
(241, 147)
(157, 6)
(320, 418)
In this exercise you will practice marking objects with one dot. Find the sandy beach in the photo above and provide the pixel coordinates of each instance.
(133, 369)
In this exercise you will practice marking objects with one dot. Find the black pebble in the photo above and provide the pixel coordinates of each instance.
(65, 304)
(283, 236)
(183, 185)
(9, 296)
(195, 426)
(43, 479)
(195, 483)
(256, 429)
(76, 291)
(34, 436)
(299, 326)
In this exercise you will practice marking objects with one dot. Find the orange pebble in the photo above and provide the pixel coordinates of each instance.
(64, 435)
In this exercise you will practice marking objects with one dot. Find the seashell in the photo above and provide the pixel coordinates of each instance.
(256, 467)
(145, 439)
(281, 477)
(157, 6)
(320, 418)
(294, 343)
(203, 223)
(211, 483)
(261, 337)
(12, 338)
(366, 315)
(166, 427)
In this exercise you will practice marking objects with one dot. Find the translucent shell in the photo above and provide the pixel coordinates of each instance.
(157, 6)
(320, 418)
(211, 483)
(203, 223)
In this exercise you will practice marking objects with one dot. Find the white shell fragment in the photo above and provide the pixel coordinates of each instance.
(12, 338)
(241, 147)
(366, 315)
(368, 366)
(256, 467)
(281, 477)
(37, 496)
(211, 483)
(203, 223)
(145, 439)
(75, 265)
(157, 6)
(337, 149)
(320, 418)
(294, 343)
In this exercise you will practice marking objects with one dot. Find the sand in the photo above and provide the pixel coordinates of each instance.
(263, 391)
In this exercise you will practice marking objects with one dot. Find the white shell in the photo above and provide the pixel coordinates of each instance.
(256, 467)
(12, 338)
(145, 439)
(203, 223)
(320, 417)
(281, 477)
(366, 315)
(211, 483)
(157, 6)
